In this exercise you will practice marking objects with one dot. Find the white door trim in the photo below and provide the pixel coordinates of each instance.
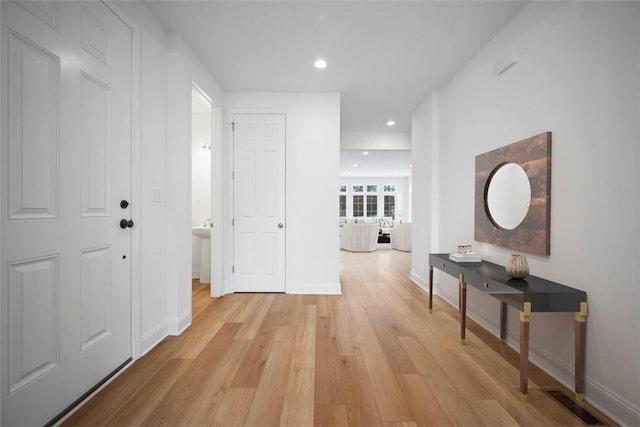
(136, 178)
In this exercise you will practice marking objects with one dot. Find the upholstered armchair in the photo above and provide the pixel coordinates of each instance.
(401, 237)
(359, 237)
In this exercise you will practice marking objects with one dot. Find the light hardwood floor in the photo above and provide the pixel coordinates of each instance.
(374, 356)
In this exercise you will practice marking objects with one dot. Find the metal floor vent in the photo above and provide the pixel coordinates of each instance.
(585, 416)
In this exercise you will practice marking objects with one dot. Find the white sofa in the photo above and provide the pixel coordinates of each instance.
(359, 237)
(401, 237)
(384, 223)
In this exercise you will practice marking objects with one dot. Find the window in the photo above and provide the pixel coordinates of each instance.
(358, 188)
(372, 205)
(343, 205)
(358, 205)
(390, 206)
(389, 188)
(372, 188)
(343, 188)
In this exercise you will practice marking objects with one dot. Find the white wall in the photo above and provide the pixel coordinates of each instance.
(184, 69)
(423, 125)
(576, 76)
(312, 171)
(351, 140)
(402, 194)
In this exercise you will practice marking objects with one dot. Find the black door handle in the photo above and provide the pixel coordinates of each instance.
(124, 223)
(124, 204)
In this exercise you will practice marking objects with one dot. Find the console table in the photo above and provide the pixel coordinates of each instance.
(529, 295)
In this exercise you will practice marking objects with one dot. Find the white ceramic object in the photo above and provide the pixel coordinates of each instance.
(204, 233)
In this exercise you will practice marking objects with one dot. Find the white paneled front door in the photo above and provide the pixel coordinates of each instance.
(66, 150)
(259, 202)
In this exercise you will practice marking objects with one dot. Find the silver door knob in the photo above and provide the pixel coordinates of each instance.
(280, 225)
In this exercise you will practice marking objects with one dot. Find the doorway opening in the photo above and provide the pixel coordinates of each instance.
(202, 131)
(374, 200)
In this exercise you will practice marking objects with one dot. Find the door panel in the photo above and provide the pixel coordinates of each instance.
(259, 202)
(66, 143)
(33, 315)
(33, 150)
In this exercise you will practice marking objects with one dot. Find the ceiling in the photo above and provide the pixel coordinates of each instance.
(376, 163)
(384, 57)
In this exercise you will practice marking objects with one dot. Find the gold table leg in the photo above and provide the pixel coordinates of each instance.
(525, 315)
(462, 300)
(430, 287)
(503, 322)
(581, 322)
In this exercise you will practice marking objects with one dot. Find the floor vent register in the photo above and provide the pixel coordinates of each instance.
(585, 416)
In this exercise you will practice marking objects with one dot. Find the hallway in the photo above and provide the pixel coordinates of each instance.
(373, 356)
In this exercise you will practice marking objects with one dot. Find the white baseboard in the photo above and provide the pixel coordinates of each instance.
(615, 407)
(153, 338)
(315, 289)
(420, 281)
(179, 325)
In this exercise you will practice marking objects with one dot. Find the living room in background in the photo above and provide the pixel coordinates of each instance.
(374, 198)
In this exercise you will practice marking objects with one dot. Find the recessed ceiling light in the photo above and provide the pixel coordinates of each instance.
(355, 165)
(320, 64)
(365, 153)
(391, 123)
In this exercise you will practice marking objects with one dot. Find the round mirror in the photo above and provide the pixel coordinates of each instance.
(508, 196)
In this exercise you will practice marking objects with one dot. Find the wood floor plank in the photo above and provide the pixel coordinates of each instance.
(389, 398)
(493, 414)
(206, 327)
(388, 338)
(330, 415)
(304, 346)
(252, 315)
(250, 371)
(214, 385)
(234, 407)
(297, 409)
(186, 389)
(448, 395)
(329, 388)
(400, 424)
(360, 403)
(266, 408)
(138, 408)
(425, 408)
(345, 338)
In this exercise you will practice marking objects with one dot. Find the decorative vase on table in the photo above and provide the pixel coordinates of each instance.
(517, 267)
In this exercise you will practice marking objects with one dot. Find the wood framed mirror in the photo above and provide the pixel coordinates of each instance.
(513, 195)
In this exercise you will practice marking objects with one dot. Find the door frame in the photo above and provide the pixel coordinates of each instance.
(216, 198)
(136, 179)
(229, 213)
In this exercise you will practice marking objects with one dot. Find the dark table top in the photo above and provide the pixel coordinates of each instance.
(544, 295)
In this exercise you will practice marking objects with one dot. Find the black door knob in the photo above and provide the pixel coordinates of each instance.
(124, 223)
(124, 204)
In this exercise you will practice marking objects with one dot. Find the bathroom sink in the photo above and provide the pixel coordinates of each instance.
(202, 232)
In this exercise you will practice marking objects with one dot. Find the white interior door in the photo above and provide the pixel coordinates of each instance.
(66, 144)
(259, 202)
